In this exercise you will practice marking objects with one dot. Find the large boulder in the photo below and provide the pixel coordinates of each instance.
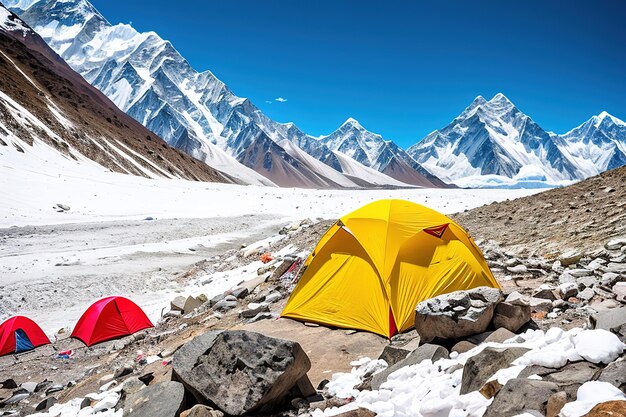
(609, 319)
(160, 400)
(427, 351)
(615, 408)
(519, 395)
(511, 316)
(240, 372)
(479, 368)
(457, 314)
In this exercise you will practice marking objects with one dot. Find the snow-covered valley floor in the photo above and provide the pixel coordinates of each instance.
(54, 263)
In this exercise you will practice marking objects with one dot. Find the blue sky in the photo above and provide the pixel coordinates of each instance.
(403, 69)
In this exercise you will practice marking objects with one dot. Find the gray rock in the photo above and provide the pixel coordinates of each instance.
(261, 316)
(615, 267)
(596, 264)
(570, 377)
(132, 385)
(540, 305)
(227, 303)
(200, 410)
(586, 282)
(565, 278)
(216, 299)
(519, 395)
(545, 293)
(615, 374)
(516, 298)
(616, 244)
(457, 314)
(359, 412)
(393, 354)
(619, 290)
(240, 292)
(63, 207)
(252, 312)
(45, 404)
(463, 346)
(240, 372)
(164, 399)
(479, 368)
(517, 269)
(178, 303)
(123, 371)
(567, 290)
(608, 320)
(500, 336)
(29, 386)
(580, 272)
(570, 257)
(424, 352)
(191, 303)
(587, 294)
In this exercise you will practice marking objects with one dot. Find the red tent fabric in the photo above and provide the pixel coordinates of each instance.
(30, 329)
(110, 318)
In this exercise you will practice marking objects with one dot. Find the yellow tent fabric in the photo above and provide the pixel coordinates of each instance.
(374, 265)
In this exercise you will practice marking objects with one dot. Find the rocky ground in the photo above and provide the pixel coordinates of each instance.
(551, 277)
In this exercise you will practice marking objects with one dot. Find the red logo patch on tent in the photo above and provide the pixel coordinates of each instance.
(437, 231)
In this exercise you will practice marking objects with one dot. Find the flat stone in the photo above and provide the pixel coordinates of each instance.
(359, 412)
(619, 290)
(608, 320)
(546, 293)
(191, 303)
(517, 269)
(200, 410)
(178, 303)
(424, 352)
(587, 294)
(540, 305)
(164, 399)
(570, 257)
(479, 368)
(615, 374)
(521, 395)
(500, 336)
(393, 354)
(617, 268)
(580, 272)
(616, 244)
(586, 282)
(510, 316)
(240, 292)
(463, 346)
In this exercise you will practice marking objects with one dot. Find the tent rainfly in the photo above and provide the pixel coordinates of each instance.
(373, 266)
(20, 334)
(110, 318)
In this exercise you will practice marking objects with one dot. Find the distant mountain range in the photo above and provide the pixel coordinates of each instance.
(49, 114)
(494, 143)
(491, 143)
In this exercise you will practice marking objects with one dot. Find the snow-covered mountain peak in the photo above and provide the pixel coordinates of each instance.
(606, 116)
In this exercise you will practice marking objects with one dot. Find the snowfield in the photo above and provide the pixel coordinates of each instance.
(34, 181)
(104, 245)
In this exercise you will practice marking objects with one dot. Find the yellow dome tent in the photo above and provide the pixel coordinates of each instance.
(374, 265)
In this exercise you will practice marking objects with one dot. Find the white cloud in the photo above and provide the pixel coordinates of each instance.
(269, 101)
(280, 99)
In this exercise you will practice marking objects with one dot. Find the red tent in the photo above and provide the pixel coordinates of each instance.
(19, 334)
(110, 318)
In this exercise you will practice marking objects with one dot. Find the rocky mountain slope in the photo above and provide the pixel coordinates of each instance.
(580, 216)
(494, 143)
(196, 112)
(48, 110)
